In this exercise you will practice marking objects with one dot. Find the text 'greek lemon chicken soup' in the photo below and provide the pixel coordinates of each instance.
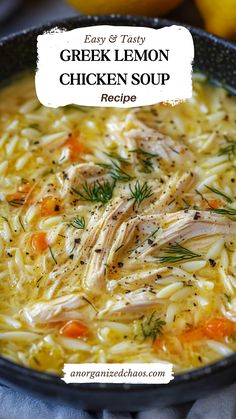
(117, 231)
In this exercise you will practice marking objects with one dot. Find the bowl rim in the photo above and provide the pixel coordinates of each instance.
(43, 377)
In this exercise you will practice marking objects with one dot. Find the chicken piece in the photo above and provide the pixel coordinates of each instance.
(79, 174)
(138, 279)
(97, 235)
(53, 310)
(173, 192)
(151, 141)
(130, 305)
(96, 272)
(181, 226)
(159, 230)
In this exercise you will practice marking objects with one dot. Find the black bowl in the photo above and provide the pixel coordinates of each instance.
(215, 57)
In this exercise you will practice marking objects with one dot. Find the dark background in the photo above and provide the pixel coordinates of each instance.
(16, 15)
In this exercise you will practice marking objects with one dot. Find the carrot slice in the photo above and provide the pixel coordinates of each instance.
(25, 187)
(50, 206)
(75, 329)
(75, 148)
(215, 203)
(39, 242)
(193, 334)
(22, 196)
(218, 328)
(158, 343)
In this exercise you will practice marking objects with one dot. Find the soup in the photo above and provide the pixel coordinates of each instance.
(117, 231)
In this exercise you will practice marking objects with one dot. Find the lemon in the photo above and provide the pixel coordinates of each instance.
(130, 7)
(219, 17)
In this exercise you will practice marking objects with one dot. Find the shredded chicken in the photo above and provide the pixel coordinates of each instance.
(53, 310)
(81, 173)
(137, 279)
(131, 304)
(96, 273)
(181, 226)
(162, 145)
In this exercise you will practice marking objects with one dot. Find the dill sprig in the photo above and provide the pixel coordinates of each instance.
(152, 326)
(229, 149)
(78, 222)
(177, 253)
(117, 157)
(116, 172)
(228, 212)
(139, 193)
(53, 257)
(218, 192)
(145, 159)
(119, 174)
(21, 223)
(118, 248)
(96, 192)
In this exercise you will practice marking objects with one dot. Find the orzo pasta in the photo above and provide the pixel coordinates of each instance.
(117, 231)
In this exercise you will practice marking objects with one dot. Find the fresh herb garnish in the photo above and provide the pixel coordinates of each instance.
(139, 193)
(120, 247)
(218, 192)
(91, 304)
(119, 174)
(4, 218)
(187, 205)
(152, 326)
(229, 149)
(78, 222)
(117, 157)
(116, 172)
(97, 191)
(228, 212)
(51, 253)
(22, 225)
(177, 253)
(145, 160)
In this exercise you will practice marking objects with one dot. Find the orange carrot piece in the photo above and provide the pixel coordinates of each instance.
(218, 328)
(75, 329)
(50, 206)
(75, 148)
(193, 334)
(158, 343)
(25, 187)
(215, 203)
(39, 242)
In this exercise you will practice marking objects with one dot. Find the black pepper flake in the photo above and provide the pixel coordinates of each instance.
(212, 262)
(57, 208)
(197, 215)
(71, 256)
(81, 262)
(78, 240)
(98, 250)
(120, 264)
